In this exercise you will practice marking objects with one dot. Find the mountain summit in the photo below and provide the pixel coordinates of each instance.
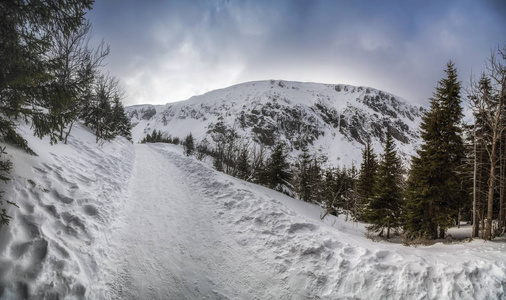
(333, 119)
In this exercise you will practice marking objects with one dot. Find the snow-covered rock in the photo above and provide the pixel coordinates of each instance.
(335, 120)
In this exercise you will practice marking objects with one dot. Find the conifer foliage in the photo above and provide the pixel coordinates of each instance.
(435, 183)
(189, 145)
(385, 206)
(104, 112)
(5, 168)
(49, 74)
(277, 170)
(303, 181)
(367, 177)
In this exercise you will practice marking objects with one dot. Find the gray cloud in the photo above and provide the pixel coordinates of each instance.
(169, 51)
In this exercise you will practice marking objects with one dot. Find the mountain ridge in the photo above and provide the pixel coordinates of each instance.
(332, 119)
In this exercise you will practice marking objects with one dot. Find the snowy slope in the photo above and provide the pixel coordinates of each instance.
(123, 221)
(67, 196)
(335, 120)
(207, 235)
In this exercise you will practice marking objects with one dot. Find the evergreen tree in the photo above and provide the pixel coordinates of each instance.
(278, 169)
(435, 183)
(154, 136)
(5, 168)
(28, 73)
(243, 165)
(315, 181)
(367, 176)
(258, 173)
(330, 192)
(189, 145)
(98, 113)
(302, 182)
(384, 209)
(74, 66)
(120, 120)
(27, 34)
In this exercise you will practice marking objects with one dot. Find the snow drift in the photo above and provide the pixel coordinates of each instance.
(67, 196)
(143, 221)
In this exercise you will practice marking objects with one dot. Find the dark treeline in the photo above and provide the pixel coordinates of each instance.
(459, 172)
(51, 76)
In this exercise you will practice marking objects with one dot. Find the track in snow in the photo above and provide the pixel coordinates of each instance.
(188, 232)
(169, 245)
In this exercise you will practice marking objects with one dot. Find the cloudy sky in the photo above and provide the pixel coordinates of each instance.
(166, 51)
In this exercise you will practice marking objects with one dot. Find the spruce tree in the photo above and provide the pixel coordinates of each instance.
(27, 73)
(189, 145)
(385, 206)
(277, 169)
(330, 192)
(302, 182)
(121, 121)
(5, 168)
(434, 186)
(243, 165)
(315, 181)
(367, 176)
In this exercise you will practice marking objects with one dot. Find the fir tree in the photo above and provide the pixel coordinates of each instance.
(315, 181)
(302, 182)
(367, 176)
(27, 34)
(120, 120)
(384, 209)
(154, 136)
(5, 168)
(243, 165)
(189, 145)
(278, 169)
(435, 182)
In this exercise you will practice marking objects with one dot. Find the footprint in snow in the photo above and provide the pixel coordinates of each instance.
(301, 227)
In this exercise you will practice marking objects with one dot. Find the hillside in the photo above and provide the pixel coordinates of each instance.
(123, 221)
(334, 120)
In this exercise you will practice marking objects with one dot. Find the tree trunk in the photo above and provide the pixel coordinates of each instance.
(490, 202)
(475, 171)
(388, 230)
(441, 233)
(482, 220)
(68, 132)
(458, 218)
(501, 183)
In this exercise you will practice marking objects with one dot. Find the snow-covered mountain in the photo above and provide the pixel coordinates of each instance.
(335, 120)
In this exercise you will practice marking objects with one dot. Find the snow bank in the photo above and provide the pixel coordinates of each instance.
(298, 256)
(67, 195)
(145, 222)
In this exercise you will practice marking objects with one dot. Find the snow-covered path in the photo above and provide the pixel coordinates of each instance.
(188, 232)
(168, 246)
(123, 221)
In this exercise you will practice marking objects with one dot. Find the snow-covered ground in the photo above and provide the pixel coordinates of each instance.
(123, 221)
